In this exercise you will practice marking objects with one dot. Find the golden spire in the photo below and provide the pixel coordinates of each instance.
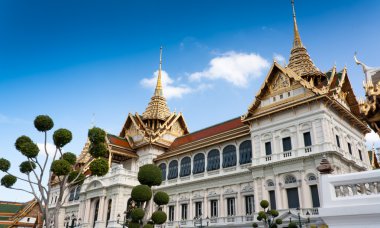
(297, 38)
(300, 61)
(157, 108)
(158, 90)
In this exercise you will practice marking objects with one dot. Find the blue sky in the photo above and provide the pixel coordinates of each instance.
(70, 59)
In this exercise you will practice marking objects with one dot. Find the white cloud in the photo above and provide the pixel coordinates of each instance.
(372, 139)
(49, 147)
(169, 89)
(236, 68)
(279, 58)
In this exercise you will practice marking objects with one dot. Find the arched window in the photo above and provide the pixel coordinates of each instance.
(245, 152)
(312, 177)
(270, 183)
(290, 179)
(199, 163)
(213, 160)
(163, 170)
(173, 170)
(229, 156)
(185, 167)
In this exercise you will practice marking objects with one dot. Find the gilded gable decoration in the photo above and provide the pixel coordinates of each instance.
(280, 82)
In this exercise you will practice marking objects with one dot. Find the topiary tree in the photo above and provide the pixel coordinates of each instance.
(149, 175)
(292, 225)
(64, 172)
(268, 216)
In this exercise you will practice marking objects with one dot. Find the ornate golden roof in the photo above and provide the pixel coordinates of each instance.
(300, 61)
(157, 108)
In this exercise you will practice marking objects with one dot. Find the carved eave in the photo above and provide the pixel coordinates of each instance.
(264, 90)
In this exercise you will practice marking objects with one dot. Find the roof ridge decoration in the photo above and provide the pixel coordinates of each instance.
(157, 108)
(299, 60)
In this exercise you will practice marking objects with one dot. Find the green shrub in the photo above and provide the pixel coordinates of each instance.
(61, 137)
(43, 123)
(29, 149)
(292, 225)
(159, 217)
(79, 179)
(273, 226)
(4, 164)
(20, 141)
(274, 213)
(262, 214)
(137, 214)
(99, 167)
(96, 135)
(161, 198)
(70, 157)
(8, 180)
(150, 175)
(98, 150)
(60, 167)
(255, 225)
(141, 193)
(27, 166)
(133, 225)
(148, 226)
(279, 221)
(264, 204)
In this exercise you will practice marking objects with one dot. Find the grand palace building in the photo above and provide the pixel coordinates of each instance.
(217, 176)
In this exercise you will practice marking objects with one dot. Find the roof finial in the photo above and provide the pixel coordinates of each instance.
(297, 39)
(158, 91)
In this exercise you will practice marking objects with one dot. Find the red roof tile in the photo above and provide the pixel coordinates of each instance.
(118, 141)
(207, 132)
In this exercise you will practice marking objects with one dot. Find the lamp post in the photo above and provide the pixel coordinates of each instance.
(299, 216)
(124, 220)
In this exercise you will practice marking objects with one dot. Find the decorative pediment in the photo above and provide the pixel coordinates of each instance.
(247, 188)
(281, 81)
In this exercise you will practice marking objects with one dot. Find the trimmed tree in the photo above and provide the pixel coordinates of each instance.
(64, 172)
(268, 216)
(149, 175)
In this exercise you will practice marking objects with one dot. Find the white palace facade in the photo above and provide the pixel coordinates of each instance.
(222, 172)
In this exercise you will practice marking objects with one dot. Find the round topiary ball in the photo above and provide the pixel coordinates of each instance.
(262, 214)
(20, 141)
(279, 221)
(43, 123)
(8, 181)
(148, 226)
(292, 225)
(159, 217)
(259, 218)
(70, 157)
(96, 135)
(4, 164)
(73, 176)
(61, 137)
(60, 167)
(264, 204)
(150, 175)
(98, 150)
(141, 193)
(274, 213)
(161, 198)
(133, 225)
(99, 167)
(29, 149)
(273, 226)
(255, 225)
(137, 214)
(27, 166)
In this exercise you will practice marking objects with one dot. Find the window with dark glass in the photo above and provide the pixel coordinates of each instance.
(198, 209)
(349, 148)
(199, 163)
(229, 156)
(286, 144)
(163, 170)
(214, 208)
(109, 211)
(249, 206)
(337, 141)
(268, 148)
(173, 169)
(184, 211)
(77, 191)
(360, 155)
(213, 160)
(314, 195)
(185, 167)
(272, 199)
(245, 152)
(72, 194)
(230, 206)
(293, 200)
(171, 213)
(307, 139)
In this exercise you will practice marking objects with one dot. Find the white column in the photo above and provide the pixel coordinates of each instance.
(277, 193)
(256, 195)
